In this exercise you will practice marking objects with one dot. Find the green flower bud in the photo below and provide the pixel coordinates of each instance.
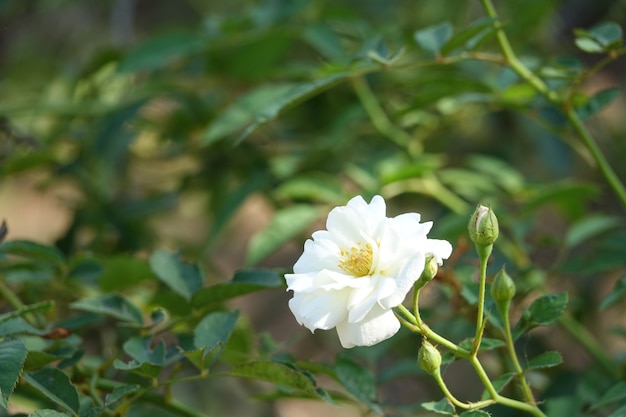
(430, 271)
(502, 289)
(429, 358)
(483, 226)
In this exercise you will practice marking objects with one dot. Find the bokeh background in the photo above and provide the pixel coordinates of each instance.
(121, 128)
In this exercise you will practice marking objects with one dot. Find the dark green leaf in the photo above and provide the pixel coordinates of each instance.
(183, 278)
(499, 383)
(474, 413)
(468, 38)
(598, 102)
(37, 360)
(620, 412)
(111, 305)
(161, 50)
(616, 294)
(12, 356)
(25, 310)
(17, 326)
(276, 373)
(615, 394)
(119, 392)
(434, 37)
(442, 406)
(543, 311)
(55, 385)
(358, 381)
(607, 33)
(285, 224)
(588, 227)
(212, 333)
(545, 360)
(35, 251)
(265, 104)
(140, 350)
(123, 271)
(322, 38)
(244, 282)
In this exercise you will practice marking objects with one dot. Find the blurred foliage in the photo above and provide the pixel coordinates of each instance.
(185, 130)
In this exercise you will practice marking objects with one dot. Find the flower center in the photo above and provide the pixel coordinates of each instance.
(357, 261)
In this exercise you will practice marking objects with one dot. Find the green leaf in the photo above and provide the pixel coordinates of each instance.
(12, 356)
(31, 308)
(545, 360)
(323, 188)
(358, 381)
(183, 278)
(264, 104)
(620, 412)
(499, 383)
(55, 385)
(485, 344)
(434, 37)
(474, 413)
(285, 224)
(615, 394)
(35, 251)
(119, 392)
(244, 282)
(277, 373)
(212, 333)
(588, 227)
(469, 37)
(47, 413)
(616, 294)
(113, 305)
(37, 360)
(442, 406)
(146, 369)
(588, 45)
(123, 271)
(542, 312)
(161, 50)
(607, 34)
(598, 102)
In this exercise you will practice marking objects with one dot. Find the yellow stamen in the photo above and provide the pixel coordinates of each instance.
(357, 261)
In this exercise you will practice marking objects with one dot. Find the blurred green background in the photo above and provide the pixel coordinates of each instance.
(228, 129)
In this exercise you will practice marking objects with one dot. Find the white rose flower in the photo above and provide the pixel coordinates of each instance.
(352, 275)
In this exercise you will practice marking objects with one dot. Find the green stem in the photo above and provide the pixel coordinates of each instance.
(572, 116)
(377, 114)
(508, 336)
(453, 400)
(605, 168)
(582, 335)
(483, 256)
(10, 296)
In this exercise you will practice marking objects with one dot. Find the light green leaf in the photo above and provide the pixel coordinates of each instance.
(545, 360)
(277, 373)
(244, 282)
(285, 224)
(123, 271)
(55, 385)
(322, 188)
(589, 45)
(588, 227)
(183, 278)
(434, 37)
(12, 356)
(113, 305)
(359, 382)
(442, 406)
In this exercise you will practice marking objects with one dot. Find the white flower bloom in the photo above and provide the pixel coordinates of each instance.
(352, 275)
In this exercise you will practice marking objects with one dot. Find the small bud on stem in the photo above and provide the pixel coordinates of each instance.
(429, 358)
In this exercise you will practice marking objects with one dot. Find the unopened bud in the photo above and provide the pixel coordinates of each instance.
(483, 226)
(430, 271)
(429, 358)
(502, 289)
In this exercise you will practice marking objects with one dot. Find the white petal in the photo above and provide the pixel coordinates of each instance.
(407, 276)
(377, 326)
(321, 310)
(441, 249)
